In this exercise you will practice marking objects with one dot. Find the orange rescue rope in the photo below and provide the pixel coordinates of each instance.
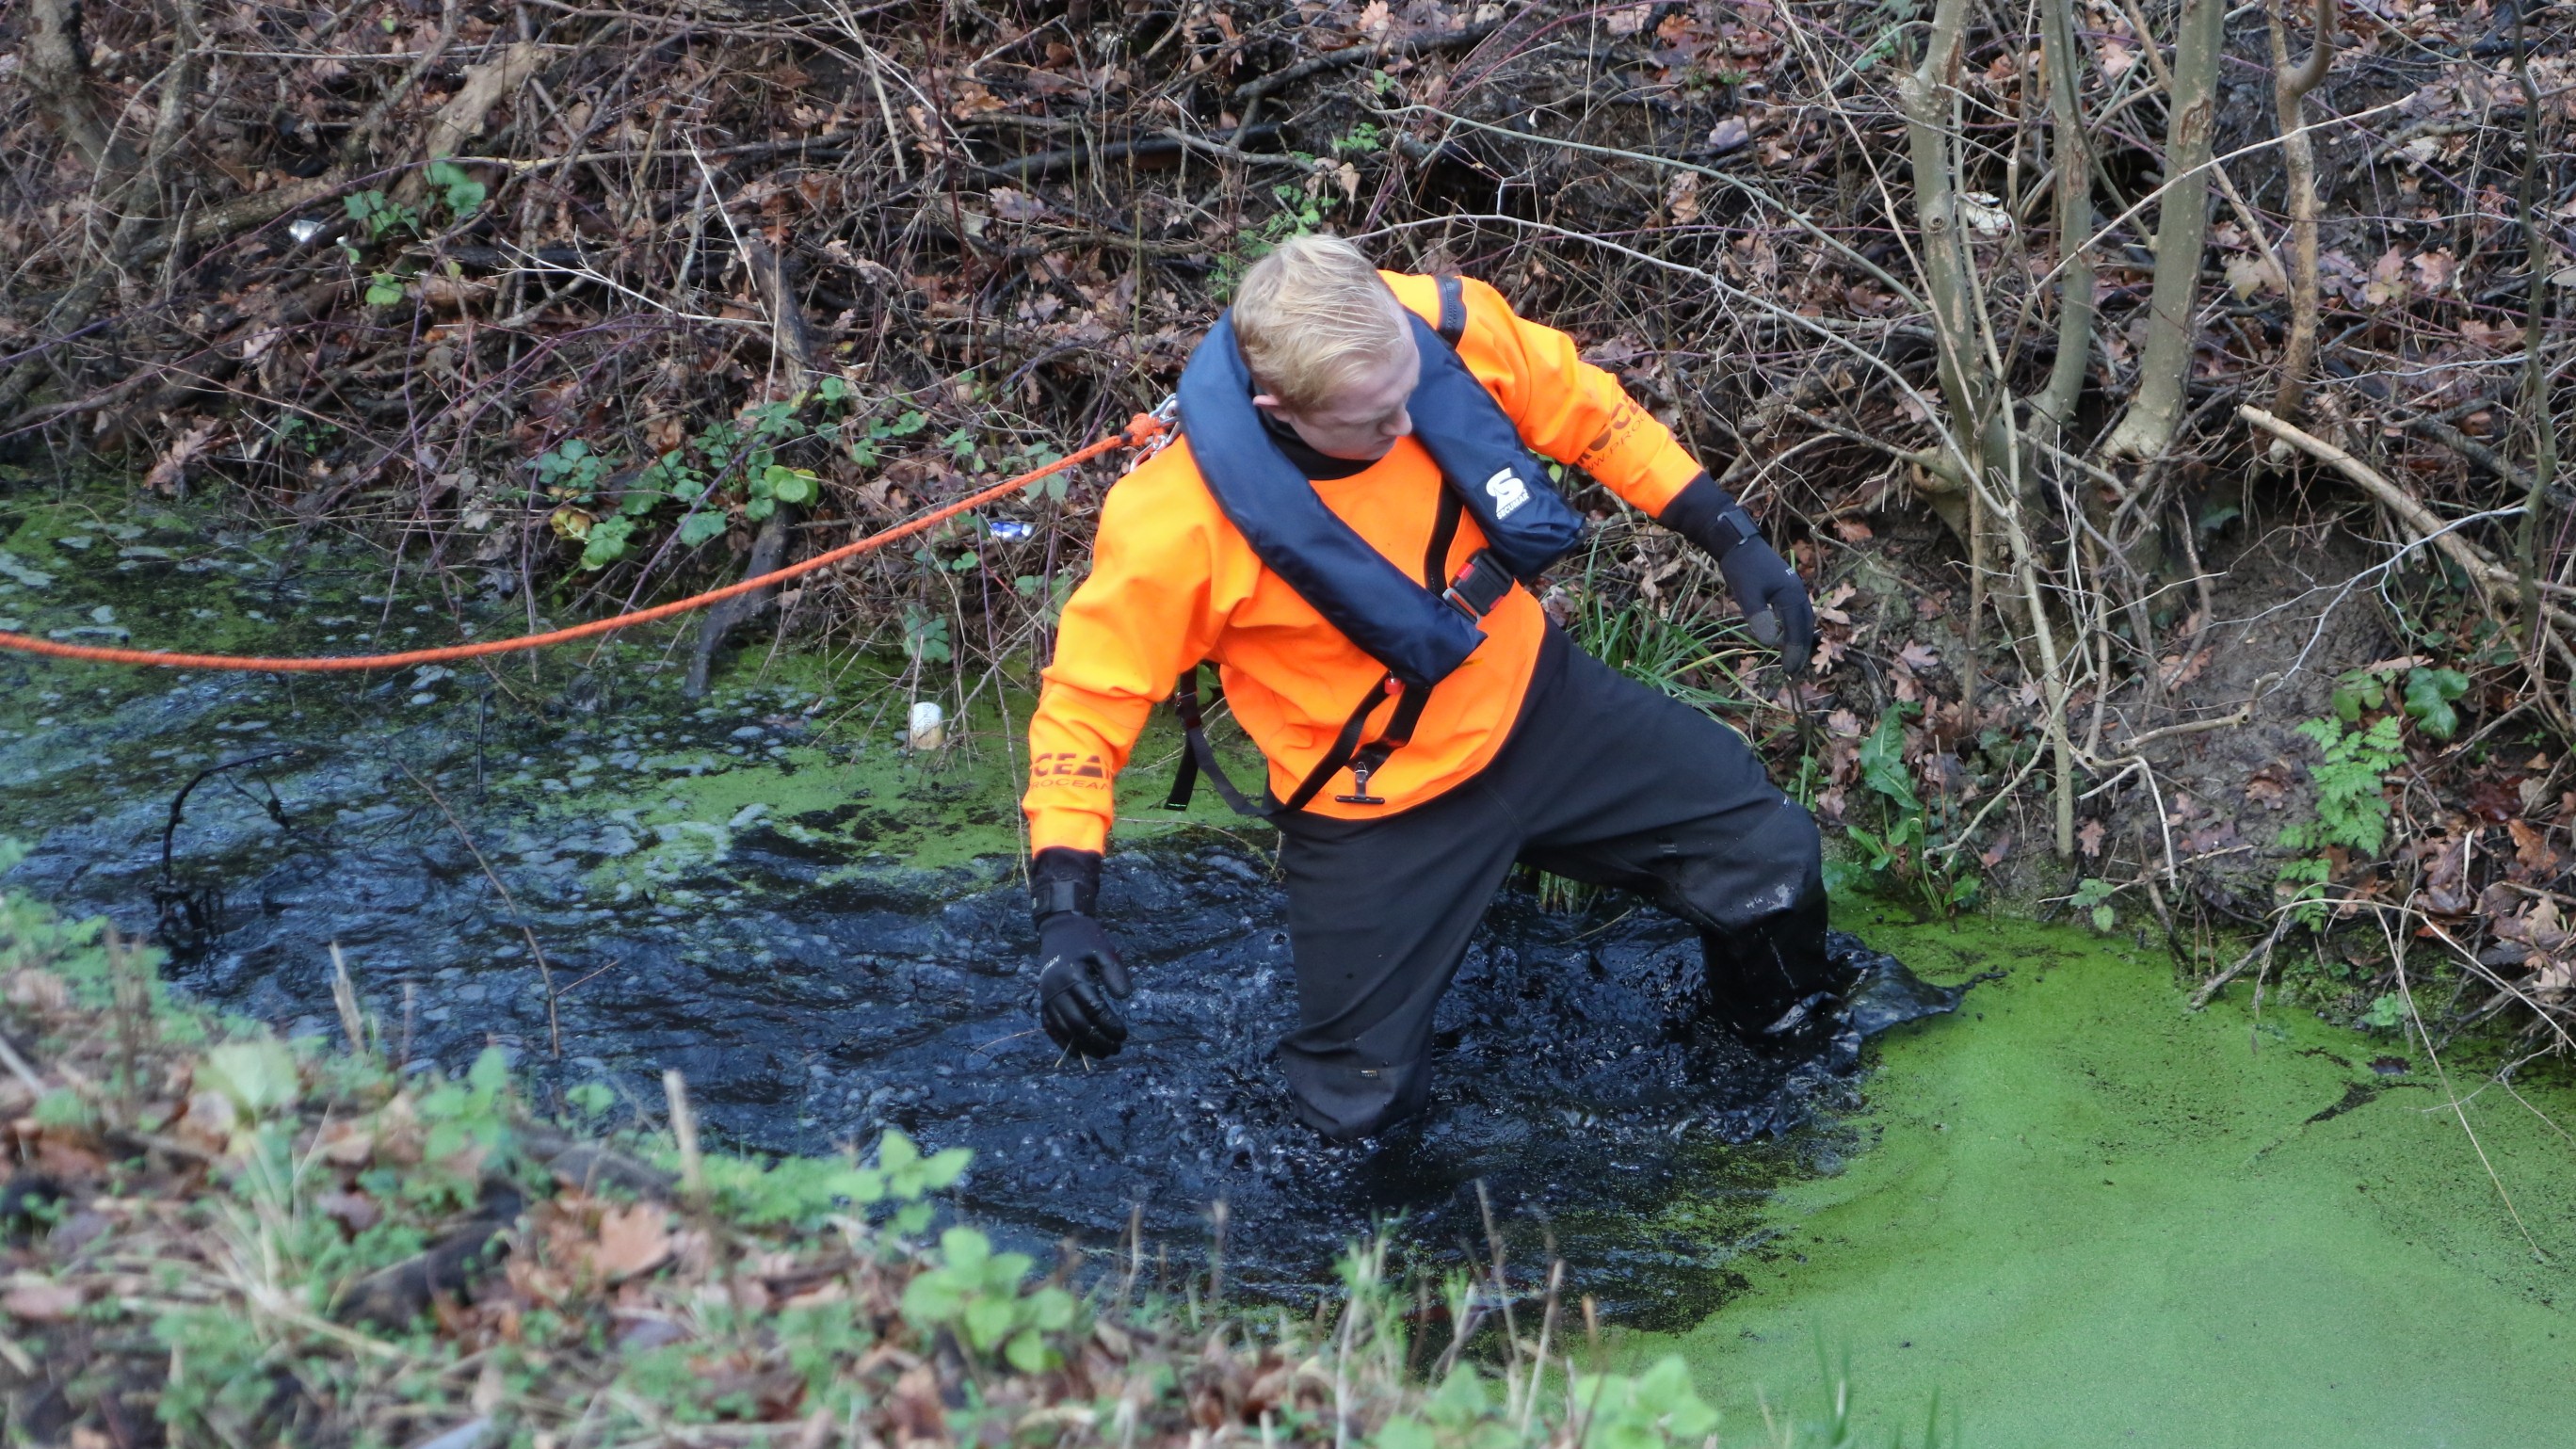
(1140, 430)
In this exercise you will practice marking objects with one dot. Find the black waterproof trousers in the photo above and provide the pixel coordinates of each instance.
(1603, 780)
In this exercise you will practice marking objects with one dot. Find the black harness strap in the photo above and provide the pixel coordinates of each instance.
(1435, 565)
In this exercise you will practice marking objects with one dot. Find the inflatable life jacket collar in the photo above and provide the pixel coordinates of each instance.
(1395, 618)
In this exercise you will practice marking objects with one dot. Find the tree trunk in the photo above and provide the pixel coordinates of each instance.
(2073, 158)
(1928, 95)
(1971, 384)
(2537, 398)
(2182, 230)
(2299, 168)
(58, 77)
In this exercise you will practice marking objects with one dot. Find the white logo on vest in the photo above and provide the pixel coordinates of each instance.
(1508, 492)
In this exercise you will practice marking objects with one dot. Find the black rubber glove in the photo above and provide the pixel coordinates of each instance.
(1078, 970)
(1772, 596)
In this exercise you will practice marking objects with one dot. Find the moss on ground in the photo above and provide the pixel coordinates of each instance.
(2089, 1216)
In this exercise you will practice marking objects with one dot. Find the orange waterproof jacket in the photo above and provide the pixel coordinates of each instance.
(1172, 582)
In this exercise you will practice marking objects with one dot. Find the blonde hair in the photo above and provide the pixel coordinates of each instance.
(1311, 315)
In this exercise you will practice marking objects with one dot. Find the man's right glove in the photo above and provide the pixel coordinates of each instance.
(1078, 970)
(1772, 596)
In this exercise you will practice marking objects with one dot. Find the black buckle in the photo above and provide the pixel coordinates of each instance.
(1360, 772)
(1479, 586)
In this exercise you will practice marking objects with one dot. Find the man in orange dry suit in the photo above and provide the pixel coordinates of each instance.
(1347, 525)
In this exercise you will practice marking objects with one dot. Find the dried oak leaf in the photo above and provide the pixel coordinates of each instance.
(2531, 850)
(632, 1241)
(183, 450)
(35, 990)
(344, 1143)
(2539, 927)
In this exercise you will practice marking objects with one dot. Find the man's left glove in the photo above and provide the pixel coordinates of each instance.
(1078, 970)
(1772, 596)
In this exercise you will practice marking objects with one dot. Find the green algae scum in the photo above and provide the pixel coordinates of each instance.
(2085, 1216)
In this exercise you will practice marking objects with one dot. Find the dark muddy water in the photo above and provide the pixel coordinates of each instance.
(824, 935)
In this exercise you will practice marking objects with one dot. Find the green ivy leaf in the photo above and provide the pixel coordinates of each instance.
(799, 487)
(964, 1249)
(2429, 693)
(607, 542)
(384, 290)
(701, 526)
(989, 1319)
(1028, 1352)
(1051, 1309)
(463, 194)
(2356, 690)
(933, 1298)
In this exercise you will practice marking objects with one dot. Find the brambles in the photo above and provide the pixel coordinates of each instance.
(977, 1291)
(2093, 897)
(728, 469)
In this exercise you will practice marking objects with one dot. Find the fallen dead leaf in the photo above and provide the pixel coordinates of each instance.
(37, 990)
(173, 463)
(2531, 848)
(2248, 274)
(632, 1240)
(346, 1144)
(355, 1210)
(1681, 197)
(42, 1302)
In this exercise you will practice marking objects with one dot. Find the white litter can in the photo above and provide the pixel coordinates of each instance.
(929, 730)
